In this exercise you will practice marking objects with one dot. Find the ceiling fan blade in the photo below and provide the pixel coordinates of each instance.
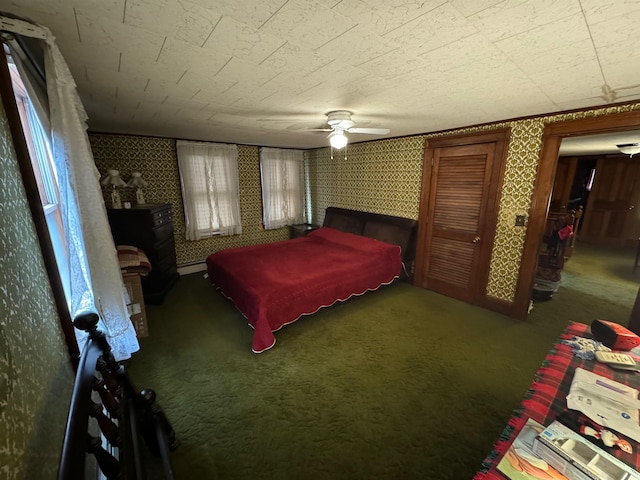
(319, 130)
(373, 131)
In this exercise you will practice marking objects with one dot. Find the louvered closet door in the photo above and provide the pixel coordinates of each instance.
(452, 240)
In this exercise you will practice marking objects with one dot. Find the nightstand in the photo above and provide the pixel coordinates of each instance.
(301, 229)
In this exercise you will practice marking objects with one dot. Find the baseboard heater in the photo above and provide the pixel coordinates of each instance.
(192, 268)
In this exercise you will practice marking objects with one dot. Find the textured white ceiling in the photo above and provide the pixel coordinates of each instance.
(262, 71)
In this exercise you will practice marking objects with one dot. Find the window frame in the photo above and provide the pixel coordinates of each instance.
(44, 171)
(209, 181)
(282, 180)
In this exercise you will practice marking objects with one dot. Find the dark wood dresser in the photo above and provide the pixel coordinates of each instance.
(150, 228)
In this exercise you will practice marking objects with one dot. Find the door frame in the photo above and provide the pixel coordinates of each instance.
(552, 137)
(501, 138)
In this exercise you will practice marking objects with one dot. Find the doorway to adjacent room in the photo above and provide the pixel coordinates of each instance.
(553, 137)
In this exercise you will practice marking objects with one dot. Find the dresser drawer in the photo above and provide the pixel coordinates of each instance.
(161, 217)
(162, 253)
(163, 264)
(166, 249)
(162, 233)
(127, 221)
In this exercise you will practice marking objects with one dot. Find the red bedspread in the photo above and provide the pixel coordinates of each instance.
(274, 284)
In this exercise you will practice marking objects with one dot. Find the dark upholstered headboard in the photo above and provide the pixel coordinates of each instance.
(395, 230)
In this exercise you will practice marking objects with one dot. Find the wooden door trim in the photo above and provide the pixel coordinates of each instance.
(468, 138)
(501, 139)
(551, 139)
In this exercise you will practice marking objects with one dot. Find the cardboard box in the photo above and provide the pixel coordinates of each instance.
(577, 458)
(135, 303)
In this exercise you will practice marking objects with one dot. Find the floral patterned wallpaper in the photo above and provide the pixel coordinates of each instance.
(35, 374)
(156, 159)
(385, 177)
(378, 176)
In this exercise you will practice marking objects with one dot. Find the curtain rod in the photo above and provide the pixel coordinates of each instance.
(21, 27)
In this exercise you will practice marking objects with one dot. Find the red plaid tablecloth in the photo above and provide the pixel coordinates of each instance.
(546, 398)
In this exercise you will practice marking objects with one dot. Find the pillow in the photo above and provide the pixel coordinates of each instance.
(357, 242)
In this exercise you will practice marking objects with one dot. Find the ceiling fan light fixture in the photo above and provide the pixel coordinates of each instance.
(630, 149)
(338, 139)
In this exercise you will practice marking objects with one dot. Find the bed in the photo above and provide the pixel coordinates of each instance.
(275, 284)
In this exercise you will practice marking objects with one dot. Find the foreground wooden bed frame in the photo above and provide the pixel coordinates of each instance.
(386, 228)
(125, 420)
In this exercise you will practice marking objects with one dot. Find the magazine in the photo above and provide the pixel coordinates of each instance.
(520, 463)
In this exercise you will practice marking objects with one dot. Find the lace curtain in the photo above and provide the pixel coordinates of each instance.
(94, 279)
(210, 188)
(282, 175)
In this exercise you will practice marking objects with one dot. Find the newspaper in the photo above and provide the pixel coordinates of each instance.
(606, 402)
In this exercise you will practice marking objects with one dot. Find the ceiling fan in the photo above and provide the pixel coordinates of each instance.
(340, 123)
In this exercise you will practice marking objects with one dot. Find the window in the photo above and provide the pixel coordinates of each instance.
(282, 175)
(54, 124)
(44, 171)
(210, 188)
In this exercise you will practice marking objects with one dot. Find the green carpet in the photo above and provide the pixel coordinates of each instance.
(598, 282)
(400, 383)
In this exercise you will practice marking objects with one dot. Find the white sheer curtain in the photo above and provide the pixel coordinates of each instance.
(210, 188)
(282, 175)
(94, 280)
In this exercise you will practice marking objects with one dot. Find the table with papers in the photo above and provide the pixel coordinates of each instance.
(547, 397)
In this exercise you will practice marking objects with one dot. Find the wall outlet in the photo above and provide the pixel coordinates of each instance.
(520, 220)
